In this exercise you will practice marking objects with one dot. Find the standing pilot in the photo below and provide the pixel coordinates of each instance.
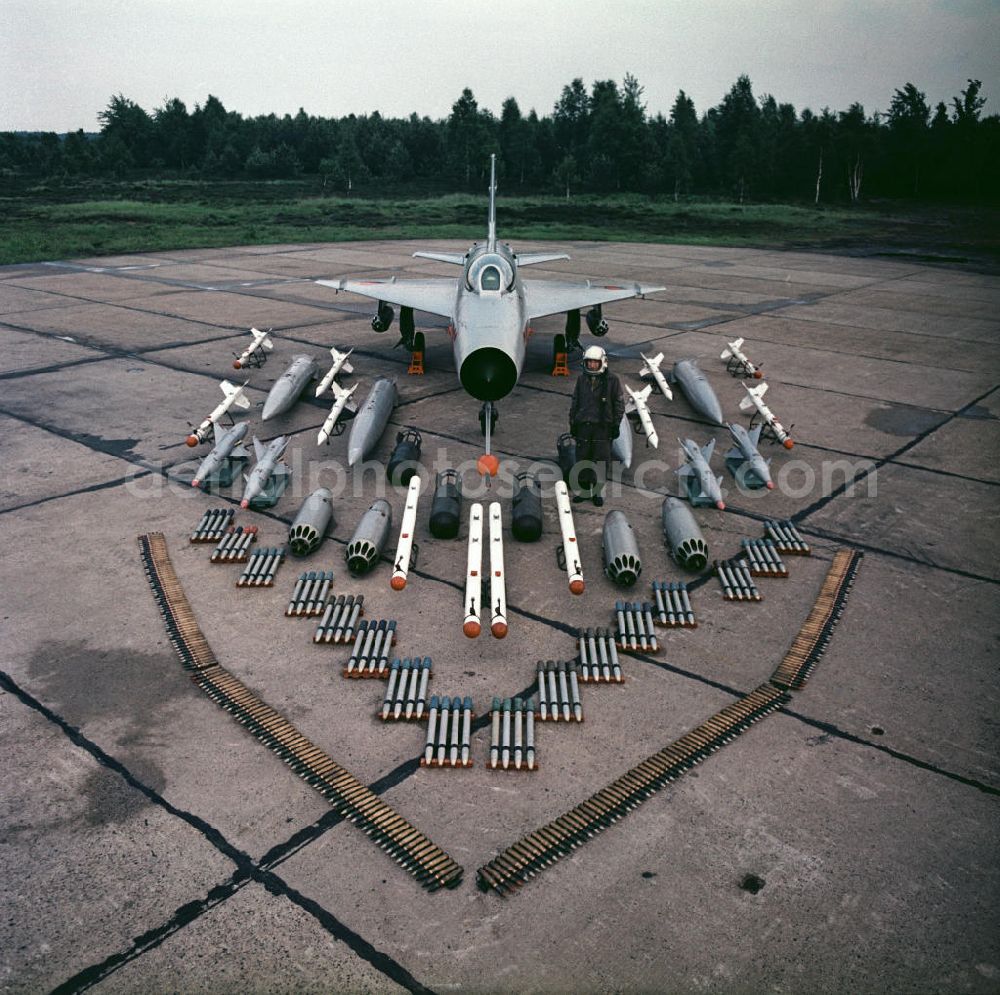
(595, 420)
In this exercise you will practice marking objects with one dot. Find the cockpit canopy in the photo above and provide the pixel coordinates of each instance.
(489, 273)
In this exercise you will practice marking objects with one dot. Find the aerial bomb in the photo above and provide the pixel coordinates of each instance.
(371, 419)
(526, 508)
(369, 539)
(684, 539)
(309, 527)
(622, 562)
(697, 390)
(446, 507)
(405, 458)
(289, 386)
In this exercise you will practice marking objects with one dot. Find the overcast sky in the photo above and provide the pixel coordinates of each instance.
(61, 60)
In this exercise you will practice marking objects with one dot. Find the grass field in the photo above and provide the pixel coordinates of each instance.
(59, 222)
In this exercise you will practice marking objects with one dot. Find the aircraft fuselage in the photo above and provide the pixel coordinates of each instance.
(490, 325)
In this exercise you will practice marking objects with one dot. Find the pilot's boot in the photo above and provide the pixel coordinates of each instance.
(596, 494)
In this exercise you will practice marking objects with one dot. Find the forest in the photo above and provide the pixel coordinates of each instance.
(599, 140)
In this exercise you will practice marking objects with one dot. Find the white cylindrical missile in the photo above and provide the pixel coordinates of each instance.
(498, 586)
(736, 358)
(571, 550)
(639, 405)
(339, 363)
(652, 369)
(755, 399)
(255, 350)
(234, 396)
(339, 404)
(405, 545)
(473, 573)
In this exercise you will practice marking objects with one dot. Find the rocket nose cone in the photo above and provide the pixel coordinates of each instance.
(576, 586)
(721, 505)
(196, 483)
(192, 441)
(245, 503)
(499, 630)
(770, 485)
(397, 583)
(757, 375)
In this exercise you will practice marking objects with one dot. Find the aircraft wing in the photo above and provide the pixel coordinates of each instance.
(434, 295)
(544, 297)
(534, 258)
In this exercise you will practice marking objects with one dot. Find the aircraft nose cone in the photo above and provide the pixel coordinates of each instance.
(488, 374)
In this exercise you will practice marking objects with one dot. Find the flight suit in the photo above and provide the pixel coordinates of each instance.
(595, 416)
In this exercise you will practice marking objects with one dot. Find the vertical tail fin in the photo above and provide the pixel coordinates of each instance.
(491, 226)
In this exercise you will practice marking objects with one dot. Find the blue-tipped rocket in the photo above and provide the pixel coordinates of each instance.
(267, 462)
(289, 386)
(371, 419)
(697, 390)
(755, 471)
(227, 444)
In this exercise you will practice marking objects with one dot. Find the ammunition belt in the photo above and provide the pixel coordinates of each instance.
(430, 865)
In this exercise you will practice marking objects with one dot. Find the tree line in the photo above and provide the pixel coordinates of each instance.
(596, 140)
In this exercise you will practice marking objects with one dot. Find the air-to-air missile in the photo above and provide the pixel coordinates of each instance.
(703, 486)
(309, 527)
(234, 398)
(446, 506)
(368, 541)
(340, 364)
(371, 419)
(755, 399)
(622, 562)
(474, 573)
(570, 548)
(267, 465)
(341, 397)
(737, 363)
(227, 446)
(638, 404)
(255, 353)
(498, 584)
(684, 539)
(745, 460)
(621, 448)
(404, 549)
(289, 386)
(652, 369)
(697, 390)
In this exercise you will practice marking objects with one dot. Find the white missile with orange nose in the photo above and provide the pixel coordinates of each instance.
(738, 362)
(498, 585)
(755, 399)
(404, 549)
(253, 355)
(473, 573)
(570, 547)
(234, 398)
